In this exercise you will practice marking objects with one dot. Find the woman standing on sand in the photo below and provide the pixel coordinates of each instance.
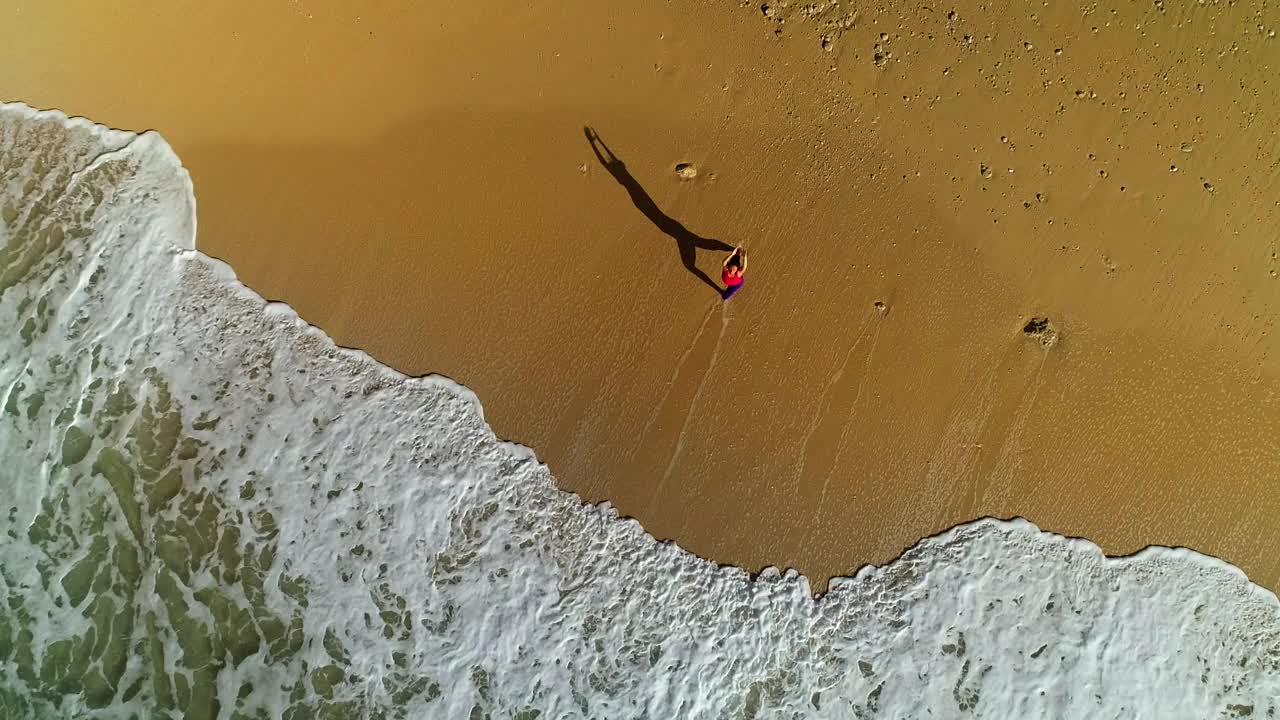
(734, 266)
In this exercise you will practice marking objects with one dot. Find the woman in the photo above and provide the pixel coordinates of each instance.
(734, 266)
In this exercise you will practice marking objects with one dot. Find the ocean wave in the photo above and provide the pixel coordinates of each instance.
(211, 511)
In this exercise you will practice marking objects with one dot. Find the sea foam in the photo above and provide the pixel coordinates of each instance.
(209, 510)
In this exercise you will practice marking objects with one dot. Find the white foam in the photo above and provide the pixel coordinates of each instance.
(434, 571)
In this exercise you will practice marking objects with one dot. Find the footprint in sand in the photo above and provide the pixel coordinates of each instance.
(1041, 329)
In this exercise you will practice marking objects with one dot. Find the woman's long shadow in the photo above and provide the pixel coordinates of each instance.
(688, 242)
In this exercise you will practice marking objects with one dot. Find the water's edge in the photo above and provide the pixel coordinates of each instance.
(269, 545)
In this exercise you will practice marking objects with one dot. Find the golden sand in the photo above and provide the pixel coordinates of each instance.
(417, 182)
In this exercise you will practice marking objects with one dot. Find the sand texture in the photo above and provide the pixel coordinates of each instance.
(421, 184)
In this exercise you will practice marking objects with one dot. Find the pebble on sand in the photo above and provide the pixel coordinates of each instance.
(686, 171)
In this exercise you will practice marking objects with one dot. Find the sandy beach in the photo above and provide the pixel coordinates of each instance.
(419, 184)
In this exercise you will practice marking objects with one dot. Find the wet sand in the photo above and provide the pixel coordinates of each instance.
(419, 185)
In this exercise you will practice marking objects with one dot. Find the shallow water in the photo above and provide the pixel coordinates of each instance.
(210, 511)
